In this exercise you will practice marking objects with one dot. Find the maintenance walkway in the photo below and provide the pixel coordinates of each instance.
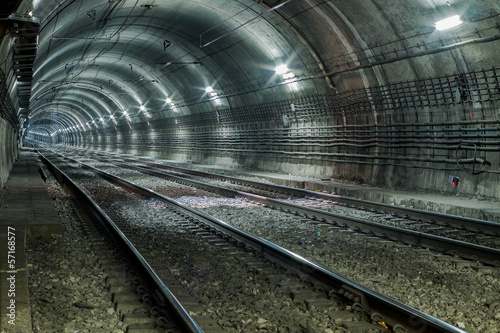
(26, 212)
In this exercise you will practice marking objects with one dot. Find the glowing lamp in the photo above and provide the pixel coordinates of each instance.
(281, 69)
(448, 23)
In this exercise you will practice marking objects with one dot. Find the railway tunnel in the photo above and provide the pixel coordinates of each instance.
(392, 102)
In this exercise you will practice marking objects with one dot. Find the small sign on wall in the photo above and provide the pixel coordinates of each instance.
(453, 180)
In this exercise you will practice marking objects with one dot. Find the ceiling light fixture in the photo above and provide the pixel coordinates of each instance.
(448, 23)
(209, 89)
(281, 69)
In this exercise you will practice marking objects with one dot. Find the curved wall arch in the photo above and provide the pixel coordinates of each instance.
(373, 93)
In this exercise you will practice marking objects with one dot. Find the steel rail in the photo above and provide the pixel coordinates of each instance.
(466, 250)
(487, 227)
(171, 302)
(401, 317)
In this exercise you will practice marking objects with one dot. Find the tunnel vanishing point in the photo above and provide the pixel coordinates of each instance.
(397, 94)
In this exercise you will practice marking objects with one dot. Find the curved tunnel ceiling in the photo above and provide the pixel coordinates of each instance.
(120, 60)
(103, 58)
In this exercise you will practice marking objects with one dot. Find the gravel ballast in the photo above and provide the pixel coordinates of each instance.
(67, 289)
(230, 292)
(460, 296)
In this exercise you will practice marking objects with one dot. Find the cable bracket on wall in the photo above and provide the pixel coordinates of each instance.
(260, 14)
(473, 165)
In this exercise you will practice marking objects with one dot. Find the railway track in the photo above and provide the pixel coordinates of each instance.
(428, 235)
(476, 231)
(426, 219)
(142, 299)
(306, 290)
(131, 297)
(483, 233)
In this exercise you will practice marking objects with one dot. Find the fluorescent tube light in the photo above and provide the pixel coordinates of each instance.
(448, 23)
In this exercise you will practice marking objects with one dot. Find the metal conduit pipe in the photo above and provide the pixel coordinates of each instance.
(350, 126)
(330, 140)
(374, 126)
(320, 140)
(335, 134)
(337, 140)
(407, 133)
(310, 156)
(417, 54)
(361, 137)
(325, 130)
(357, 133)
(311, 49)
(444, 145)
(442, 139)
(301, 154)
(362, 144)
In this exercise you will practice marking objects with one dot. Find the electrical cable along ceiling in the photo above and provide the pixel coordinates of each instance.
(110, 61)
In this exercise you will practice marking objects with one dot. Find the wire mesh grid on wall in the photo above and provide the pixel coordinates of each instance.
(475, 89)
(7, 111)
(434, 123)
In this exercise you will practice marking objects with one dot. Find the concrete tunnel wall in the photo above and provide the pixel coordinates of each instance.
(8, 129)
(263, 149)
(379, 97)
(8, 150)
